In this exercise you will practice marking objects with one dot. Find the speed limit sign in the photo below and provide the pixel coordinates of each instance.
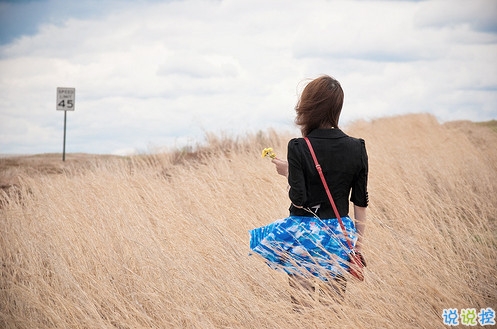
(65, 99)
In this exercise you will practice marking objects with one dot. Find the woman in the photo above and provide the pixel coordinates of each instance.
(312, 222)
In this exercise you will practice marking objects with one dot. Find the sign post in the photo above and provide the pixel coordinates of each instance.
(66, 98)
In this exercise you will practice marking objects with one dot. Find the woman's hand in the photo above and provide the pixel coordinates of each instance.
(360, 224)
(281, 166)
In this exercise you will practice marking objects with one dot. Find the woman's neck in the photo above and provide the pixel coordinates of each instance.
(327, 126)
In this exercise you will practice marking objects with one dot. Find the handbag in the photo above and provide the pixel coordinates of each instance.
(356, 259)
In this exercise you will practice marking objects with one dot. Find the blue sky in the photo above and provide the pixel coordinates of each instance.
(152, 74)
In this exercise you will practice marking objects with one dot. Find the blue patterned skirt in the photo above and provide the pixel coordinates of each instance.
(305, 245)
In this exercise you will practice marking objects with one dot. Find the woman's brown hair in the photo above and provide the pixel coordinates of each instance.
(319, 105)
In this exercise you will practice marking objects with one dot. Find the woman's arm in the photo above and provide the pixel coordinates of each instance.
(282, 169)
(360, 224)
(281, 166)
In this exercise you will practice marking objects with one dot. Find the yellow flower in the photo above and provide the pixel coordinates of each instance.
(268, 152)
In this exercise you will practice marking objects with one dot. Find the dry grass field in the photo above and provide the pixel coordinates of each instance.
(161, 240)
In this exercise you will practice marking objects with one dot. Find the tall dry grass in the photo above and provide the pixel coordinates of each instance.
(161, 240)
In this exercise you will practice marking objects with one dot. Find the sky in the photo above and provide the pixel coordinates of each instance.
(151, 75)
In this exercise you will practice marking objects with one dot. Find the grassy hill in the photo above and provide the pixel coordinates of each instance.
(161, 240)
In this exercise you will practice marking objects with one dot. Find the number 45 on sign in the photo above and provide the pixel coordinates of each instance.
(65, 99)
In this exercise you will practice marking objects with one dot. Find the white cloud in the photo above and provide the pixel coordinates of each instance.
(148, 73)
(479, 14)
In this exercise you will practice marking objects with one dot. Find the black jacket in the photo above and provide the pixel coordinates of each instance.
(344, 161)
